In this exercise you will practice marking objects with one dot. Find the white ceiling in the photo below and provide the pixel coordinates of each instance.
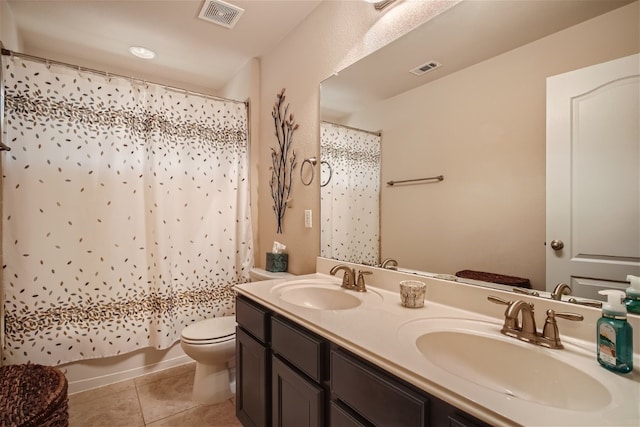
(192, 53)
(470, 32)
(198, 55)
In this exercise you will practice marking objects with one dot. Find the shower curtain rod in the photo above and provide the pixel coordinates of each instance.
(352, 128)
(8, 52)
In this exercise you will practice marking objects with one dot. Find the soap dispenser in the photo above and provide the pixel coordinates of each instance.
(633, 295)
(615, 336)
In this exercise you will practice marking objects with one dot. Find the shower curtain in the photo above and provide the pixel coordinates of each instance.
(350, 200)
(125, 212)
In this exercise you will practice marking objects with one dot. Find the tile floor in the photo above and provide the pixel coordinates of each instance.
(154, 400)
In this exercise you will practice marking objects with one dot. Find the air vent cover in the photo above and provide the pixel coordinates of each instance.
(425, 68)
(221, 13)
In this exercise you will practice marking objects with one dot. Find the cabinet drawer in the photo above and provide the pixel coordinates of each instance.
(299, 347)
(376, 397)
(252, 318)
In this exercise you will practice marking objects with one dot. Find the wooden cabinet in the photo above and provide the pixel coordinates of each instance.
(379, 399)
(299, 347)
(288, 376)
(297, 402)
(366, 395)
(279, 369)
(297, 375)
(253, 365)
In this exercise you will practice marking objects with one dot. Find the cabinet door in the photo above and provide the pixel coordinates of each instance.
(297, 402)
(341, 417)
(252, 397)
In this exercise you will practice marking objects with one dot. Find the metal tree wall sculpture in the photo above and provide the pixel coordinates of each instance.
(282, 164)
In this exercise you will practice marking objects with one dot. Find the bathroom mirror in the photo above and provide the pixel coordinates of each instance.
(474, 115)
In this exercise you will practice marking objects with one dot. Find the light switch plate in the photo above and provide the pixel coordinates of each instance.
(308, 218)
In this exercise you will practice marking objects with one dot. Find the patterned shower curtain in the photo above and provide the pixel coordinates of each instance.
(125, 212)
(350, 200)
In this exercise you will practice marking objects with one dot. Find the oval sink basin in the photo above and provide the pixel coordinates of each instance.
(506, 365)
(320, 298)
(320, 294)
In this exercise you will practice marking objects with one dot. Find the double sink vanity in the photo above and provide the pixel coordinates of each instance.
(310, 352)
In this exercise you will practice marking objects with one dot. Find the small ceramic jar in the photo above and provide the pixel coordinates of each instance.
(412, 293)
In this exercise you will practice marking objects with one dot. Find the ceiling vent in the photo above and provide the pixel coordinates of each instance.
(425, 68)
(220, 13)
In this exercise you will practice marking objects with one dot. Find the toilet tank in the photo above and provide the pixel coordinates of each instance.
(258, 274)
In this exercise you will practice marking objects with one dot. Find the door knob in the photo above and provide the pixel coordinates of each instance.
(556, 245)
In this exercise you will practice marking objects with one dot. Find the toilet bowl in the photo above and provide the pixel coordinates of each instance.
(212, 344)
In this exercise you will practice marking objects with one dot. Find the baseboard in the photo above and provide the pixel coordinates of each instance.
(89, 374)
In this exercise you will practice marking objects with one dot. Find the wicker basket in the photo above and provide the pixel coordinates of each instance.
(33, 396)
(495, 278)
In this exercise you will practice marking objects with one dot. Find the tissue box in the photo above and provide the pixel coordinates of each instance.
(277, 262)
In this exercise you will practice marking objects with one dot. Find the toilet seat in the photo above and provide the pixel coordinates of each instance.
(210, 331)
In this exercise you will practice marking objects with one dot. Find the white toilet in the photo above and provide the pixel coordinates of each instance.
(212, 344)
(258, 274)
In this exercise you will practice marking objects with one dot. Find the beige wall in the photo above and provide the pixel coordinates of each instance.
(483, 128)
(8, 31)
(334, 36)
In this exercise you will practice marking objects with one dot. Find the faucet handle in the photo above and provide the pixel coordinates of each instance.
(526, 292)
(360, 285)
(497, 300)
(596, 304)
(568, 316)
(550, 334)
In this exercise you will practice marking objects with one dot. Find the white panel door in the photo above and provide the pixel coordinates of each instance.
(593, 177)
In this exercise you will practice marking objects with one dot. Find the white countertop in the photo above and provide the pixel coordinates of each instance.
(382, 331)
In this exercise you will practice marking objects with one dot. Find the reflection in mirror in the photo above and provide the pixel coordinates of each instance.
(349, 194)
(479, 119)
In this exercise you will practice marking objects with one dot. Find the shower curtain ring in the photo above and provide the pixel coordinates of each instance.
(312, 162)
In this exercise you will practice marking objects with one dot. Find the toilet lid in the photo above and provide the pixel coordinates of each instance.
(210, 329)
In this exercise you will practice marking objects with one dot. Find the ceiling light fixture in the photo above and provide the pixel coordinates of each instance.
(142, 52)
(380, 4)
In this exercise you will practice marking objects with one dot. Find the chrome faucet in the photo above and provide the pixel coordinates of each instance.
(550, 335)
(349, 278)
(560, 289)
(525, 332)
(389, 263)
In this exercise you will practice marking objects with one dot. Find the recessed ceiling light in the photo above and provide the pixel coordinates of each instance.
(142, 52)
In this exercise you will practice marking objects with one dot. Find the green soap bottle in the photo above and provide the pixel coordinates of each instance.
(632, 301)
(614, 334)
